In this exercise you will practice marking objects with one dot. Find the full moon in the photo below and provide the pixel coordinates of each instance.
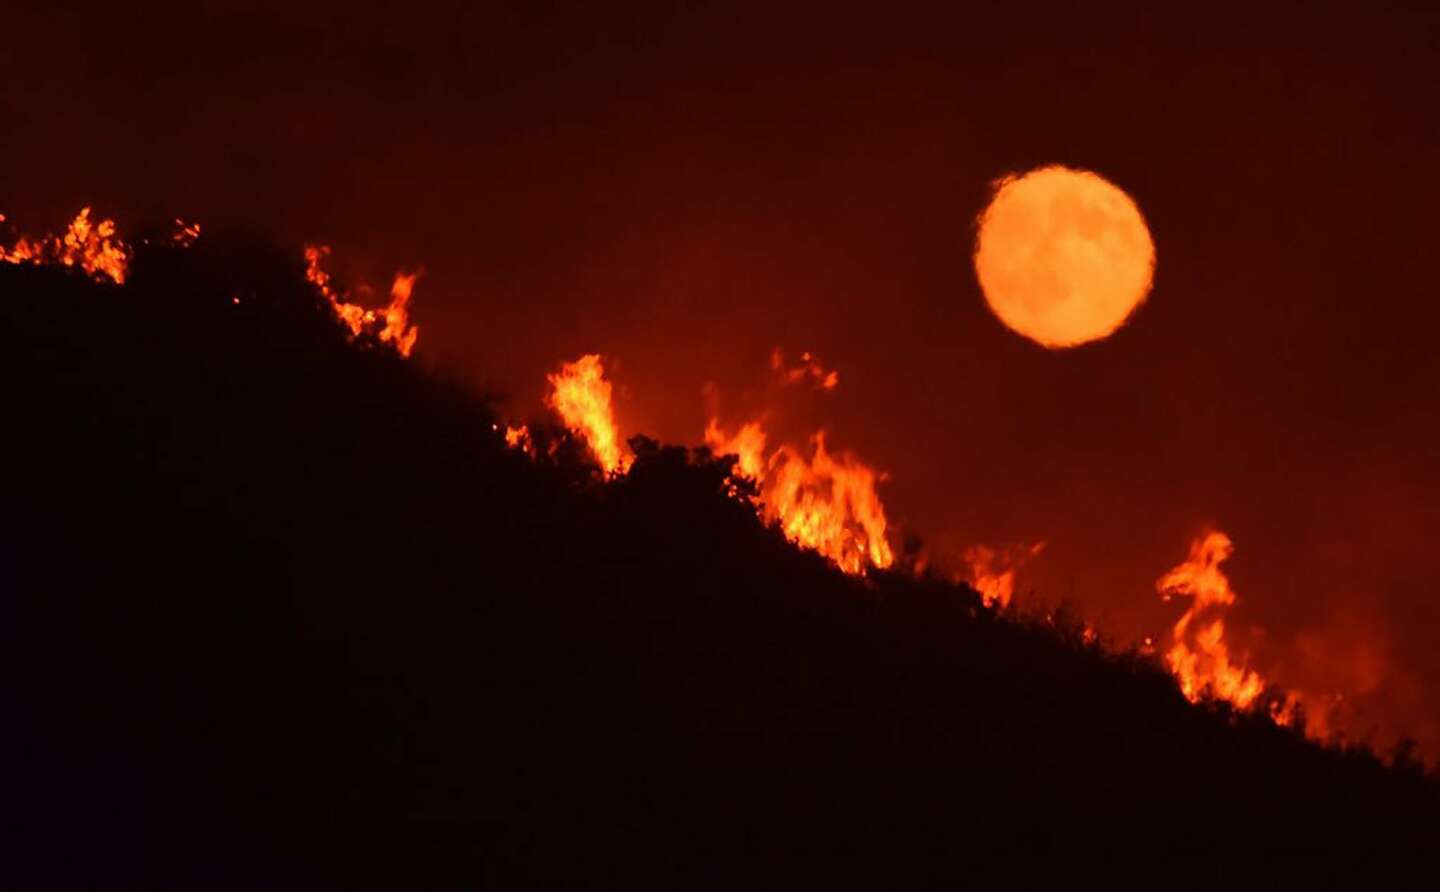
(1063, 256)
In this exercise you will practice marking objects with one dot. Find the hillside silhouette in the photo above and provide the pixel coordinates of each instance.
(283, 610)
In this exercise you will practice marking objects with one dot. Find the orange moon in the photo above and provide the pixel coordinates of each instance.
(1063, 256)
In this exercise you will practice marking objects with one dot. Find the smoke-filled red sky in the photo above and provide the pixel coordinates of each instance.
(683, 187)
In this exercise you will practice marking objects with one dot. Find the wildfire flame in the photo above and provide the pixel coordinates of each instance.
(185, 234)
(91, 246)
(992, 570)
(823, 501)
(1199, 657)
(390, 324)
(581, 396)
(747, 445)
(826, 502)
(518, 438)
(809, 367)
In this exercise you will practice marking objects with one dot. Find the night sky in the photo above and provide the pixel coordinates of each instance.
(683, 187)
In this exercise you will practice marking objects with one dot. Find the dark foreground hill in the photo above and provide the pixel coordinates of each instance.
(281, 610)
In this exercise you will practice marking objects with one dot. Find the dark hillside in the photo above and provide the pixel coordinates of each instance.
(283, 610)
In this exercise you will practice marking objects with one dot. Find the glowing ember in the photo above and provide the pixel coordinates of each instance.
(185, 234)
(1199, 656)
(827, 502)
(91, 246)
(390, 324)
(581, 396)
(992, 571)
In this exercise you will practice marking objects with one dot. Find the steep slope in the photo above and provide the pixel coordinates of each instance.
(283, 609)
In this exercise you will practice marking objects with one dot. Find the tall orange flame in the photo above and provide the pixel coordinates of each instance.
(747, 445)
(391, 323)
(93, 247)
(396, 314)
(829, 503)
(1199, 656)
(826, 503)
(581, 396)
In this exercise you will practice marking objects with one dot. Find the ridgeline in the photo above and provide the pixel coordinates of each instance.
(283, 610)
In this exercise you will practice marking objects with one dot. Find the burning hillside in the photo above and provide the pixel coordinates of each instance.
(824, 502)
(87, 245)
(359, 589)
(390, 324)
(821, 500)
